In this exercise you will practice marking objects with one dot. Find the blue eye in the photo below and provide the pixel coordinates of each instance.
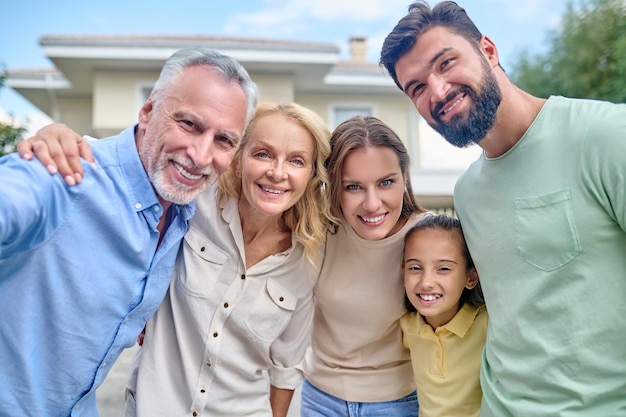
(352, 187)
(386, 183)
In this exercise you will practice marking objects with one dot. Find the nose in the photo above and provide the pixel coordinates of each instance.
(438, 87)
(201, 151)
(372, 201)
(426, 281)
(277, 171)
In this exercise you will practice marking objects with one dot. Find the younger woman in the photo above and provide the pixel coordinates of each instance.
(446, 326)
(358, 365)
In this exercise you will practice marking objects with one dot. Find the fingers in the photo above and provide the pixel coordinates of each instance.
(57, 148)
(25, 149)
(65, 153)
(85, 152)
(61, 153)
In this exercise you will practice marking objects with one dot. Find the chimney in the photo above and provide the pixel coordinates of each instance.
(358, 49)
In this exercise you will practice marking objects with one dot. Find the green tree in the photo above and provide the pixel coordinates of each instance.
(585, 58)
(10, 135)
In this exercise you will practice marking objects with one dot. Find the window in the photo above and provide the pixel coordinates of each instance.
(142, 92)
(342, 112)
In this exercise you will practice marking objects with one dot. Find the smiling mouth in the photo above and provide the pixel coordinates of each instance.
(185, 173)
(451, 107)
(272, 190)
(376, 219)
(429, 297)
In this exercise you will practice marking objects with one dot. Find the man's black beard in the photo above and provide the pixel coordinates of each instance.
(463, 131)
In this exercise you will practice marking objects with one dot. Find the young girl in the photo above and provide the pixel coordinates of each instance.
(446, 326)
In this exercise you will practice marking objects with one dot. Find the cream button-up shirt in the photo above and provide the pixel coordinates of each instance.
(223, 333)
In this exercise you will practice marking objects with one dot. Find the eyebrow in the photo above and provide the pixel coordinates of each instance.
(430, 64)
(189, 116)
(384, 177)
(202, 125)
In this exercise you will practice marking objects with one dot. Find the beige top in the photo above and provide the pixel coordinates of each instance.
(357, 343)
(224, 333)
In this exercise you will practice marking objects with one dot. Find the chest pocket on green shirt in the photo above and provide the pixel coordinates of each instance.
(545, 230)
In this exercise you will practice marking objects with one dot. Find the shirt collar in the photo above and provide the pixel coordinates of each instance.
(459, 325)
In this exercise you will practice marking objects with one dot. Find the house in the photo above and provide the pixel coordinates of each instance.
(100, 82)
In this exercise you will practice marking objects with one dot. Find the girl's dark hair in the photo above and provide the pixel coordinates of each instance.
(474, 296)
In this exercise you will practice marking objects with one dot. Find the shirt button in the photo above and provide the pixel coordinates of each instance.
(202, 391)
(243, 276)
(215, 334)
(208, 363)
(202, 249)
(281, 299)
(157, 208)
(225, 305)
(137, 206)
(195, 413)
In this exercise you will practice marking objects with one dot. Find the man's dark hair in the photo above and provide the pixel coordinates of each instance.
(420, 19)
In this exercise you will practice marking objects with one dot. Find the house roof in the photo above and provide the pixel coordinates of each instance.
(314, 66)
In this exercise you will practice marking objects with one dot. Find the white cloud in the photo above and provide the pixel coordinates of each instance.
(338, 10)
(280, 18)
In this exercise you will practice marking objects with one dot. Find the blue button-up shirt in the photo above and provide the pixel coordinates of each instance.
(80, 273)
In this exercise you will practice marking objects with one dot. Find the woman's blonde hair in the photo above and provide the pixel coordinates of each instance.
(310, 216)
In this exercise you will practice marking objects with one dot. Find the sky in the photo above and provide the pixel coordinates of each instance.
(514, 26)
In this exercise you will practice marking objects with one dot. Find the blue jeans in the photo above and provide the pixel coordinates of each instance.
(317, 403)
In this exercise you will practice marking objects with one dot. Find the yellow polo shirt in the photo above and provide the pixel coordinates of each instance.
(446, 362)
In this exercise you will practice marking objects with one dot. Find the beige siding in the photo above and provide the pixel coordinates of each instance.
(397, 112)
(274, 88)
(76, 113)
(117, 99)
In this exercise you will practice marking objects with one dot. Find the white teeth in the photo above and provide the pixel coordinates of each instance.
(373, 219)
(185, 173)
(429, 297)
(446, 110)
(271, 190)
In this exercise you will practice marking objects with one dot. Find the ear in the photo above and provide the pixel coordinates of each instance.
(489, 50)
(472, 279)
(146, 112)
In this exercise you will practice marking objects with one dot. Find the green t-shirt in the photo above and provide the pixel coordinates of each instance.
(545, 224)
